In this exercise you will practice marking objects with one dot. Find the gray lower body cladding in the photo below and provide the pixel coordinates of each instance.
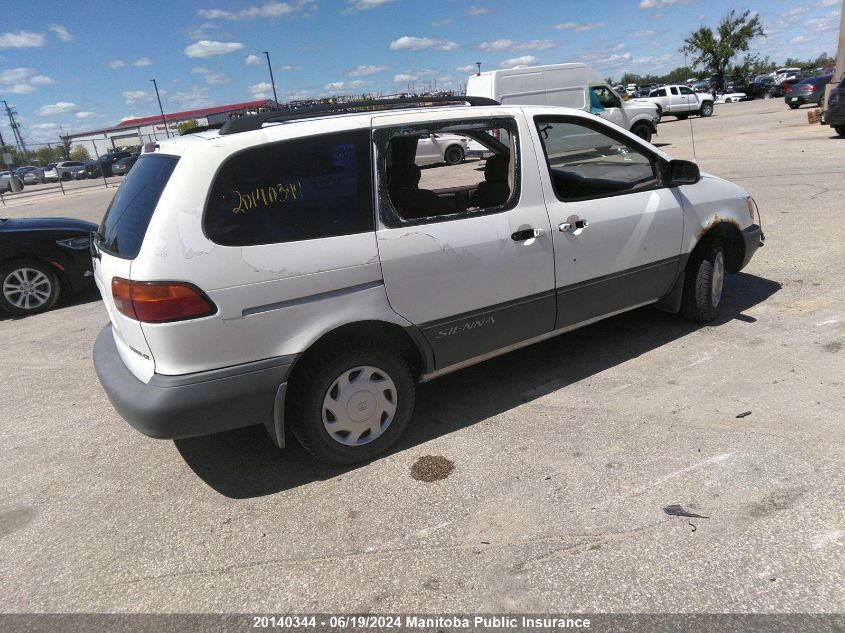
(172, 407)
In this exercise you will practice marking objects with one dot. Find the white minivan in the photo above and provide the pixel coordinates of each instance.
(289, 270)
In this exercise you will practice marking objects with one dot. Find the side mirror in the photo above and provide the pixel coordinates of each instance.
(682, 172)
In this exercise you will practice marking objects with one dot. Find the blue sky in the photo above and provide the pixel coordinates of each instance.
(77, 66)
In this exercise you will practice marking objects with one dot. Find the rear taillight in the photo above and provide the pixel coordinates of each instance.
(160, 301)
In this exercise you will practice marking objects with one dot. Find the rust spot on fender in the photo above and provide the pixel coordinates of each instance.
(716, 221)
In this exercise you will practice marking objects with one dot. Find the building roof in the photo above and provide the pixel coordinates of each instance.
(179, 116)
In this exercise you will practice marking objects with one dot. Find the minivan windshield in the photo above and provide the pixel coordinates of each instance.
(125, 222)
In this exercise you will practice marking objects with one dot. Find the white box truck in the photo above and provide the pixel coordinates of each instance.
(568, 85)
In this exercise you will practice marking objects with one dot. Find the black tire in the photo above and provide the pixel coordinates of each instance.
(703, 284)
(643, 131)
(21, 300)
(840, 130)
(315, 383)
(682, 115)
(794, 106)
(706, 109)
(453, 155)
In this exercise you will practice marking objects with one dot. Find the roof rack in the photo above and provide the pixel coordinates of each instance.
(255, 121)
(202, 128)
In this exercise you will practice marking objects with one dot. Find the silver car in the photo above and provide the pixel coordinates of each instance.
(64, 170)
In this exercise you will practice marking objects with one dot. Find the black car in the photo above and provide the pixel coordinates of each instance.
(103, 165)
(122, 167)
(807, 91)
(41, 258)
(834, 115)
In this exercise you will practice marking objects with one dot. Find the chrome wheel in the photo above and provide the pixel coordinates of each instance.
(27, 288)
(359, 406)
(717, 280)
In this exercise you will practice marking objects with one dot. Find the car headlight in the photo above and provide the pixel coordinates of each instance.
(78, 243)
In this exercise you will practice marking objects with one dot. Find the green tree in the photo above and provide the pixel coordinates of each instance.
(80, 153)
(64, 148)
(714, 51)
(184, 126)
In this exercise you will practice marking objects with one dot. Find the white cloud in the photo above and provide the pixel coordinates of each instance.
(263, 90)
(354, 6)
(660, 4)
(500, 46)
(132, 97)
(43, 126)
(420, 43)
(61, 32)
(210, 77)
(288, 67)
(144, 61)
(647, 33)
(22, 81)
(443, 22)
(469, 68)
(60, 107)
(363, 71)
(525, 60)
(827, 3)
(210, 48)
(84, 115)
(21, 39)
(829, 22)
(22, 89)
(579, 27)
(42, 80)
(270, 10)
(196, 97)
(337, 86)
(405, 77)
(334, 86)
(476, 11)
(116, 63)
(253, 60)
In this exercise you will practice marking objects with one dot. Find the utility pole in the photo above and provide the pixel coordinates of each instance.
(166, 131)
(839, 71)
(15, 131)
(272, 81)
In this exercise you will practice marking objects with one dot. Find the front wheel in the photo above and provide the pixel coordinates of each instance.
(643, 131)
(28, 287)
(706, 109)
(349, 405)
(703, 284)
(453, 155)
(794, 106)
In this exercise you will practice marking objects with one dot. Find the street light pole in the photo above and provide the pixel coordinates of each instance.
(272, 81)
(166, 131)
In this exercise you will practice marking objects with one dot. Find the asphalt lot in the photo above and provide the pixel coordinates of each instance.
(565, 453)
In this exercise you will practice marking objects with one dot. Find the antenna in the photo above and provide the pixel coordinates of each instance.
(689, 118)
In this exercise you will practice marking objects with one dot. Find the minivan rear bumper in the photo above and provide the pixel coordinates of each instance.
(173, 407)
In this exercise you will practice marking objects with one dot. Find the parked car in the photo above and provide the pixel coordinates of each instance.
(34, 177)
(50, 173)
(441, 148)
(834, 114)
(569, 85)
(6, 181)
(103, 165)
(64, 170)
(807, 91)
(731, 97)
(40, 260)
(20, 172)
(122, 166)
(245, 321)
(680, 101)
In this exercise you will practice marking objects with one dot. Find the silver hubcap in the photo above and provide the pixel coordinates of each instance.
(27, 288)
(359, 406)
(718, 279)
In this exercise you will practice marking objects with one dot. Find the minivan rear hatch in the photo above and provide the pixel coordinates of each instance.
(118, 243)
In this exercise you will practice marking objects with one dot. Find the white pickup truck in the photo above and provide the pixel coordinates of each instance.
(680, 101)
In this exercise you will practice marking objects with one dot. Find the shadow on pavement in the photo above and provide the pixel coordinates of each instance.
(244, 463)
(86, 295)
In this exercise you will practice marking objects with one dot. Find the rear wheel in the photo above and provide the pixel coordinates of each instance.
(840, 130)
(643, 131)
(348, 405)
(794, 106)
(453, 155)
(28, 287)
(706, 109)
(705, 278)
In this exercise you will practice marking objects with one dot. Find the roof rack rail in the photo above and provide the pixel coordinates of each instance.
(202, 128)
(255, 121)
